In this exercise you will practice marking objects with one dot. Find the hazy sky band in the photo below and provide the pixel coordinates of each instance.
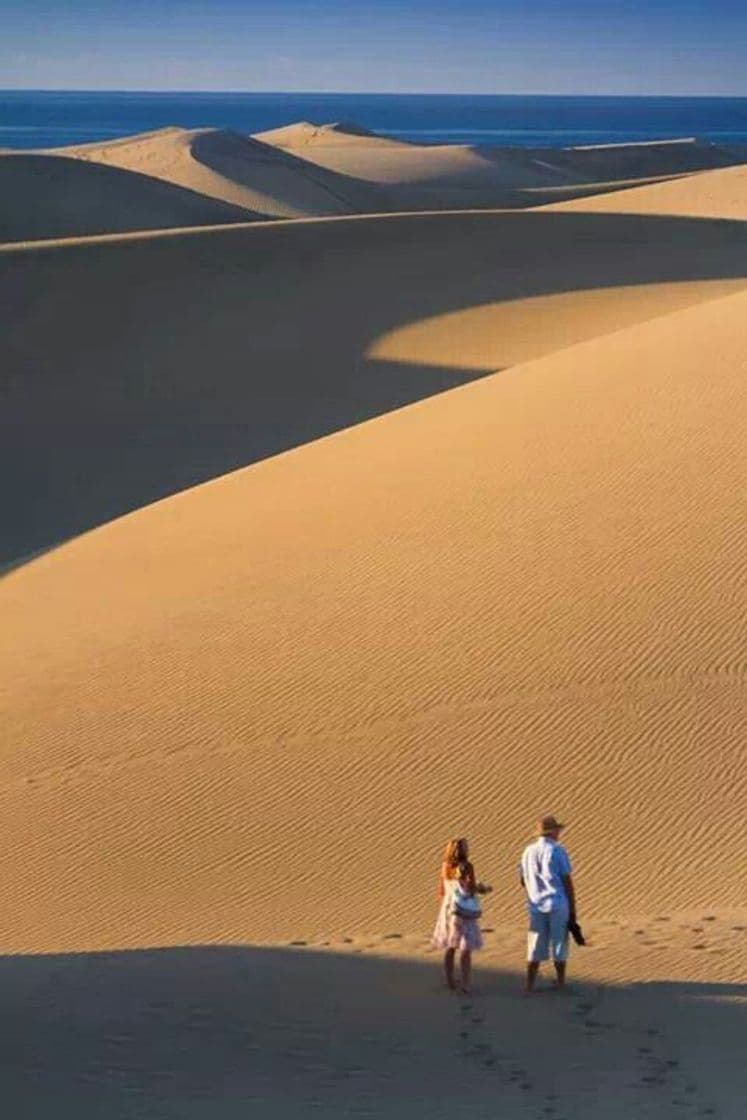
(478, 46)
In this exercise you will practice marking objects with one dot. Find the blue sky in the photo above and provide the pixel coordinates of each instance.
(476, 46)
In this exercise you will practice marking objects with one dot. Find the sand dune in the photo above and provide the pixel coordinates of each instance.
(210, 351)
(216, 176)
(502, 568)
(237, 169)
(456, 175)
(251, 712)
(710, 194)
(45, 196)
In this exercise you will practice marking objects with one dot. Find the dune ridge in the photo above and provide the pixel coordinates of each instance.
(707, 194)
(241, 170)
(307, 170)
(204, 373)
(55, 196)
(460, 175)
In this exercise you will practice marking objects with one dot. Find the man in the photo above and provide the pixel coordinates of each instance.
(546, 878)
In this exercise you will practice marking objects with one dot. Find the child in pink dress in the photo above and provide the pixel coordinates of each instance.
(455, 929)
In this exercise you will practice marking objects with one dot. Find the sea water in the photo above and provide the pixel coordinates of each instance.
(45, 119)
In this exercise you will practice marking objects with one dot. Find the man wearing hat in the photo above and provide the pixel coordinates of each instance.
(546, 878)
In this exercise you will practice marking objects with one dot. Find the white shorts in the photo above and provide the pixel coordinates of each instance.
(548, 933)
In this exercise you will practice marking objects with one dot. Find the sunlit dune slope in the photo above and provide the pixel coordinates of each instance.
(256, 710)
(208, 351)
(49, 196)
(418, 176)
(461, 175)
(710, 194)
(239, 170)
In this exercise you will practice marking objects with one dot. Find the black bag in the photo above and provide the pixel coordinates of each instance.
(576, 932)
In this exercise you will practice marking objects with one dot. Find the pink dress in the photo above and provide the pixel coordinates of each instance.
(452, 932)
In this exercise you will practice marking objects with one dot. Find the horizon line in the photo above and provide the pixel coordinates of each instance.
(374, 93)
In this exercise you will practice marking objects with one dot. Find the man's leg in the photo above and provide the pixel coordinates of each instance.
(559, 942)
(538, 940)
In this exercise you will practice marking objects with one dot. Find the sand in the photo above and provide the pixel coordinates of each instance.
(709, 194)
(437, 176)
(240, 170)
(213, 350)
(215, 176)
(51, 196)
(480, 555)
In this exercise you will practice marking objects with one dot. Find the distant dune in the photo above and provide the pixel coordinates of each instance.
(305, 170)
(240, 170)
(709, 194)
(438, 176)
(50, 196)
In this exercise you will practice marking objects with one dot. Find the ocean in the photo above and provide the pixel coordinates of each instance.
(45, 119)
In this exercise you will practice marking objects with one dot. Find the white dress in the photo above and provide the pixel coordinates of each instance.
(452, 932)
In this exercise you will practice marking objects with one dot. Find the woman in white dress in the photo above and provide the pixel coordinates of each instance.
(458, 924)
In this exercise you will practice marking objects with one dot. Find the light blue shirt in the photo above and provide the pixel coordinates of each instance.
(543, 865)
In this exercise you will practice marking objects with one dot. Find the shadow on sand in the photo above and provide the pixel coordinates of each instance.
(220, 1032)
(137, 368)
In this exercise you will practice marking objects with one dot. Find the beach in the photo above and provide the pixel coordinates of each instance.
(363, 494)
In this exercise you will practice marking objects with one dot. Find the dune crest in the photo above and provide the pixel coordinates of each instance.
(306, 170)
(459, 175)
(53, 196)
(241, 170)
(709, 194)
(240, 343)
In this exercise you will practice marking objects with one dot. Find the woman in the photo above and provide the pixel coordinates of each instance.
(455, 928)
